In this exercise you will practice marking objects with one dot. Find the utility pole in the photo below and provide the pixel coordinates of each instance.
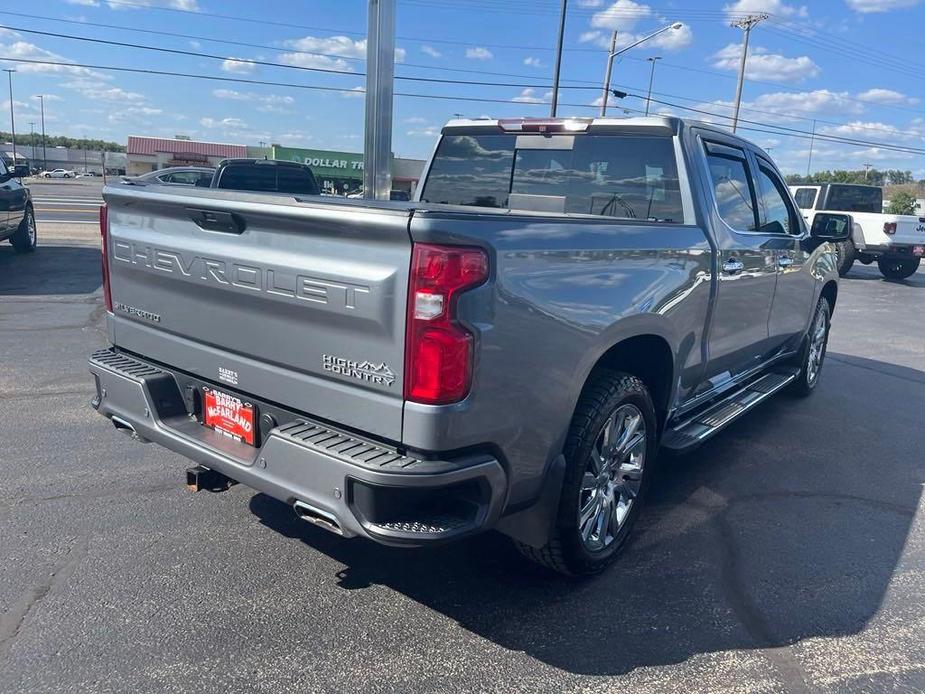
(812, 140)
(32, 141)
(867, 170)
(41, 98)
(610, 56)
(651, 77)
(747, 24)
(10, 72)
(555, 75)
(380, 76)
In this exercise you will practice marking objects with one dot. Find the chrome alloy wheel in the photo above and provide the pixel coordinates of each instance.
(816, 348)
(30, 227)
(612, 478)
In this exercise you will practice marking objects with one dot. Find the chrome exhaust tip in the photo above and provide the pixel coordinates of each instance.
(316, 516)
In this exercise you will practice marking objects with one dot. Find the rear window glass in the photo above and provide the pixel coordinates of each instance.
(629, 177)
(805, 198)
(295, 179)
(248, 177)
(855, 199)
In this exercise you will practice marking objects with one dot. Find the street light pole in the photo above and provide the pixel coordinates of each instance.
(32, 142)
(651, 78)
(555, 74)
(10, 72)
(380, 77)
(614, 53)
(746, 23)
(44, 154)
(610, 57)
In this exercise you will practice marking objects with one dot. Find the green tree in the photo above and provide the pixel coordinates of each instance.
(902, 202)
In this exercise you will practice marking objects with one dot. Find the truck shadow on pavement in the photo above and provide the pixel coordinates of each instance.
(787, 526)
(49, 270)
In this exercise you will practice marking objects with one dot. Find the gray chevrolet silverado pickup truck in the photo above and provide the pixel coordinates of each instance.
(509, 350)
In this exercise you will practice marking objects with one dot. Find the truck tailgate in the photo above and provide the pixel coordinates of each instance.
(295, 302)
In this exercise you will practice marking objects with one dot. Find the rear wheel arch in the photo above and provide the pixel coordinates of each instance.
(648, 357)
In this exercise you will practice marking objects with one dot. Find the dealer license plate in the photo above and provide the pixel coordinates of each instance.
(228, 415)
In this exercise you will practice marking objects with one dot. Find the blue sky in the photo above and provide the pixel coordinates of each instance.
(852, 65)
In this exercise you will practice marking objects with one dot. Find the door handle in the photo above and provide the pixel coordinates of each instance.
(784, 261)
(733, 265)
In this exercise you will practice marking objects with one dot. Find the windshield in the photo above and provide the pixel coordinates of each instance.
(623, 176)
(855, 199)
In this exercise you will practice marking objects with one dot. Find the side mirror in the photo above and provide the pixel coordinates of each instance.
(21, 170)
(831, 227)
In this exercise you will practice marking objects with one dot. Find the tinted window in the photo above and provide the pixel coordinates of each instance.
(471, 170)
(777, 216)
(183, 177)
(616, 176)
(259, 177)
(805, 197)
(732, 190)
(296, 179)
(855, 199)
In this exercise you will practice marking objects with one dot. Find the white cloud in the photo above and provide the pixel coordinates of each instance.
(328, 52)
(812, 102)
(529, 96)
(24, 50)
(872, 130)
(355, 93)
(238, 66)
(102, 91)
(267, 103)
(479, 53)
(590, 3)
(415, 120)
(533, 62)
(296, 136)
(888, 97)
(623, 15)
(775, 8)
(132, 114)
(84, 3)
(429, 131)
(431, 51)
(870, 6)
(763, 65)
(231, 123)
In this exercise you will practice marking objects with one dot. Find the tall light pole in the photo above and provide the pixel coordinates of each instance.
(812, 140)
(614, 53)
(651, 78)
(32, 143)
(747, 24)
(380, 77)
(41, 98)
(10, 72)
(555, 74)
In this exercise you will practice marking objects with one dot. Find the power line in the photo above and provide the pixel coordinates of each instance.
(761, 127)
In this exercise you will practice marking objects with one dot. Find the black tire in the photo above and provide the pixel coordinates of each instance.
(898, 268)
(845, 254)
(22, 239)
(808, 378)
(609, 393)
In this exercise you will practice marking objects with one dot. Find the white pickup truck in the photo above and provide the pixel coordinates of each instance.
(895, 241)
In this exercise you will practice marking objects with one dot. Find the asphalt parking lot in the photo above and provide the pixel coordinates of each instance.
(788, 554)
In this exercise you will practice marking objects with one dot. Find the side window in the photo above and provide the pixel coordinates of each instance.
(778, 217)
(732, 189)
(805, 197)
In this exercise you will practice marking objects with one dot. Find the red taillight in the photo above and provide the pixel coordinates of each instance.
(438, 350)
(104, 252)
(889, 228)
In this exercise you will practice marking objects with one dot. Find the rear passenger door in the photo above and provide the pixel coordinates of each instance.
(746, 264)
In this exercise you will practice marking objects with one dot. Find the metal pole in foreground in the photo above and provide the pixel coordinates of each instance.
(9, 72)
(746, 23)
(610, 57)
(555, 75)
(651, 78)
(44, 154)
(380, 74)
(812, 140)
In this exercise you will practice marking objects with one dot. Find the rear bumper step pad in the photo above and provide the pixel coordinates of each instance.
(309, 461)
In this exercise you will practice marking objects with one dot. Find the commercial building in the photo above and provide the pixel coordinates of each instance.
(342, 172)
(151, 153)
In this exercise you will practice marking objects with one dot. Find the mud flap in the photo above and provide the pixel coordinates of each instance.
(533, 525)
